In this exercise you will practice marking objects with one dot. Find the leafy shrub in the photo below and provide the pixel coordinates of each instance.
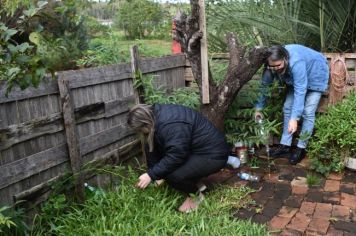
(139, 18)
(94, 27)
(12, 221)
(240, 124)
(335, 137)
(39, 38)
(19, 63)
(188, 97)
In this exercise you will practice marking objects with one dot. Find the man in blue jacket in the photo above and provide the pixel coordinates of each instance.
(305, 73)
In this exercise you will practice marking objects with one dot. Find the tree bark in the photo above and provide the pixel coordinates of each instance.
(242, 65)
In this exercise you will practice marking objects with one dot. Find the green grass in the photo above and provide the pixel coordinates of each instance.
(112, 48)
(313, 180)
(126, 210)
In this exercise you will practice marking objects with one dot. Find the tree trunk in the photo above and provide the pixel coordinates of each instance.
(242, 66)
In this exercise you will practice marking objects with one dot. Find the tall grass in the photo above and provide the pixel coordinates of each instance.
(112, 48)
(126, 210)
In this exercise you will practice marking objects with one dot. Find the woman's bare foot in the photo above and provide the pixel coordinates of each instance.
(191, 204)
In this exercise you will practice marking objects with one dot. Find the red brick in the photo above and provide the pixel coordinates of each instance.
(299, 190)
(287, 212)
(278, 222)
(322, 210)
(290, 232)
(348, 200)
(299, 186)
(334, 232)
(305, 163)
(341, 212)
(331, 197)
(311, 233)
(347, 188)
(299, 222)
(319, 225)
(307, 207)
(332, 185)
(336, 176)
(274, 178)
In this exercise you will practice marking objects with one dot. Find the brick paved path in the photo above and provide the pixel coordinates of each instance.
(284, 201)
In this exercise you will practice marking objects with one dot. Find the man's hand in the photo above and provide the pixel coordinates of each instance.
(292, 126)
(144, 181)
(258, 115)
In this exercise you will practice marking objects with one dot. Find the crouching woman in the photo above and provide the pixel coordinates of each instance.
(183, 147)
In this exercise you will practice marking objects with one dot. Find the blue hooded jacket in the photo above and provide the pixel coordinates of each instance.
(307, 70)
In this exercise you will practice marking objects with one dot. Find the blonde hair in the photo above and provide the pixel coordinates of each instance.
(141, 116)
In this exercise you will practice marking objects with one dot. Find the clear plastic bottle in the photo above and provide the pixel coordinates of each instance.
(249, 177)
(241, 152)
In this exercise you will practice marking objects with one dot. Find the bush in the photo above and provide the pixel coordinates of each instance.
(94, 27)
(139, 18)
(240, 124)
(12, 221)
(111, 48)
(39, 38)
(185, 96)
(335, 137)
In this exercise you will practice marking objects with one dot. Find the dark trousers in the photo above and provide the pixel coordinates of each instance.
(186, 177)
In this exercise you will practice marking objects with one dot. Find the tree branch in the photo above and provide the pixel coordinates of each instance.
(194, 41)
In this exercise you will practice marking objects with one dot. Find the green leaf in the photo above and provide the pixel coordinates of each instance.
(9, 33)
(35, 38)
(23, 47)
(13, 71)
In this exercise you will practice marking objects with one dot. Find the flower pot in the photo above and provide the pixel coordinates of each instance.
(350, 163)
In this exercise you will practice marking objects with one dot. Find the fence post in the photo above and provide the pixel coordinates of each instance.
(139, 91)
(136, 74)
(204, 54)
(71, 135)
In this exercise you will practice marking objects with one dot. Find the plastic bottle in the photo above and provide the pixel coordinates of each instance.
(263, 134)
(249, 177)
(241, 152)
(91, 191)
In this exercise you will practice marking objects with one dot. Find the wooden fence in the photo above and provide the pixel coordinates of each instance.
(63, 124)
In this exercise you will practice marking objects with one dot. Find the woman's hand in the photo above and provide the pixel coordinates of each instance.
(144, 181)
(292, 126)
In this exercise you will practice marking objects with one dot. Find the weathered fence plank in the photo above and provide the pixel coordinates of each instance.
(93, 142)
(72, 138)
(28, 166)
(48, 86)
(19, 133)
(99, 75)
(148, 65)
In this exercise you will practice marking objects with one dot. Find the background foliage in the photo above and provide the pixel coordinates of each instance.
(39, 37)
(328, 26)
(334, 137)
(140, 18)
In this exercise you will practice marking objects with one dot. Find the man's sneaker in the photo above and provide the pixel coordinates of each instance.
(297, 156)
(280, 151)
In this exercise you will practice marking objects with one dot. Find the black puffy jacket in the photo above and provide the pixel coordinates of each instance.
(182, 133)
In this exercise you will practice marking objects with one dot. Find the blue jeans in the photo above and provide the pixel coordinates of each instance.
(312, 99)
